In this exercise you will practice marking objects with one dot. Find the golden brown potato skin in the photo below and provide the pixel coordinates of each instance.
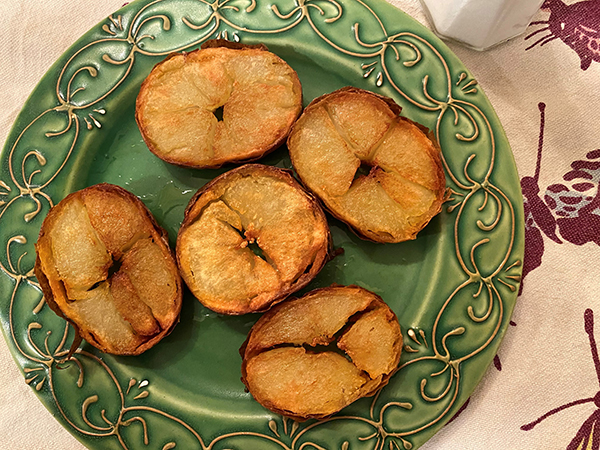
(104, 265)
(284, 371)
(252, 204)
(405, 184)
(260, 94)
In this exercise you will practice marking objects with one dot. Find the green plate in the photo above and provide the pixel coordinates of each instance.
(453, 288)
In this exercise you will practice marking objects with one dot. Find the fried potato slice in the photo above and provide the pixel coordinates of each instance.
(104, 264)
(249, 238)
(260, 97)
(350, 131)
(288, 370)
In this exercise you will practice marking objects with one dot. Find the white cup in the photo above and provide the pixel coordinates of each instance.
(480, 24)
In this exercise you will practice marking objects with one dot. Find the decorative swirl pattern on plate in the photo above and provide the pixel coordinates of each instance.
(147, 29)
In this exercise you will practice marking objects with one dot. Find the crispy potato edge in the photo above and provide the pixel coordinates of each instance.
(217, 163)
(441, 198)
(321, 257)
(160, 235)
(369, 389)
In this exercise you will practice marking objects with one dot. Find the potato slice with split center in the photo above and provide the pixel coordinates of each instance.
(250, 238)
(349, 128)
(260, 96)
(105, 266)
(287, 370)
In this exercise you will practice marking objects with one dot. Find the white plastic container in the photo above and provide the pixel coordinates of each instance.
(480, 24)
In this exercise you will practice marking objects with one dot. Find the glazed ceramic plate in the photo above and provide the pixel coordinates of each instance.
(453, 288)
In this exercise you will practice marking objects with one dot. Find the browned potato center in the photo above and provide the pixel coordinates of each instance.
(376, 171)
(250, 238)
(287, 369)
(105, 265)
(226, 102)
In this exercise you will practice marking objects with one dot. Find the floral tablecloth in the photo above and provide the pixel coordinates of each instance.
(543, 390)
